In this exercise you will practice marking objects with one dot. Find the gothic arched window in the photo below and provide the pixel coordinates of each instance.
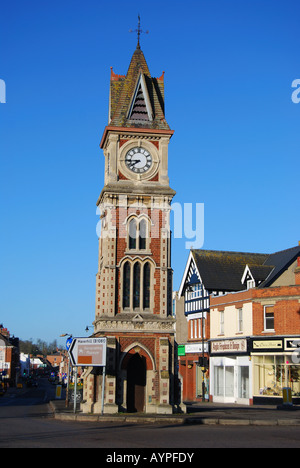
(138, 234)
(136, 285)
(126, 285)
(132, 234)
(146, 286)
(142, 234)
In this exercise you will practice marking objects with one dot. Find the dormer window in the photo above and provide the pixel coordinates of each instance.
(248, 278)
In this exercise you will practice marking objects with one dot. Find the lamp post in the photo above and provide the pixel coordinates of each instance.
(68, 374)
(191, 287)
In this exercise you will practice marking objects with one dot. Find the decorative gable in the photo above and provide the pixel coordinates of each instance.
(254, 275)
(191, 275)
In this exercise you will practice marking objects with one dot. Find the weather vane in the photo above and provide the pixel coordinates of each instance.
(139, 31)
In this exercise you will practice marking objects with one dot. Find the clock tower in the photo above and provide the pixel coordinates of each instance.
(134, 278)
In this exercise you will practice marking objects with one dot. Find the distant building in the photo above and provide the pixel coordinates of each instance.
(9, 357)
(24, 364)
(55, 359)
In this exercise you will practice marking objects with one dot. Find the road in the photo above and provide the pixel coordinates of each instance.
(25, 421)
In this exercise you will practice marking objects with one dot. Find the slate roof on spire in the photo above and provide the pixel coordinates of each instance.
(130, 103)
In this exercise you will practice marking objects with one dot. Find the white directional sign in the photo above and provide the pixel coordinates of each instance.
(88, 352)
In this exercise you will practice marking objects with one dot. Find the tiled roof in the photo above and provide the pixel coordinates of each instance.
(261, 272)
(281, 261)
(223, 271)
(122, 91)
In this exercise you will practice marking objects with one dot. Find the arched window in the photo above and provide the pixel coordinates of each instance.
(142, 234)
(136, 285)
(146, 286)
(126, 285)
(138, 234)
(132, 234)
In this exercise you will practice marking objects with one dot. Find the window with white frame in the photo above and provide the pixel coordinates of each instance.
(222, 322)
(240, 324)
(269, 318)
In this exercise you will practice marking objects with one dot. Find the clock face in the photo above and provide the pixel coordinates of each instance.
(138, 160)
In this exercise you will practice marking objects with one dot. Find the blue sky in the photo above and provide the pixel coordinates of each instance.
(229, 66)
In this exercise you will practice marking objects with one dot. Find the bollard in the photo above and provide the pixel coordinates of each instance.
(287, 396)
(58, 392)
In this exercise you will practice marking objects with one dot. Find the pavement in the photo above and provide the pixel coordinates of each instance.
(205, 413)
(197, 413)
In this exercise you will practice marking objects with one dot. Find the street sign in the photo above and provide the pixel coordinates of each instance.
(88, 352)
(68, 343)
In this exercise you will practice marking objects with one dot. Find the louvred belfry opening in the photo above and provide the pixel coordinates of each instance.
(139, 108)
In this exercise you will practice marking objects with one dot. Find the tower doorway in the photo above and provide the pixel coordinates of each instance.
(136, 383)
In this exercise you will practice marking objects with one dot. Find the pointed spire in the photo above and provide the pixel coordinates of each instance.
(137, 98)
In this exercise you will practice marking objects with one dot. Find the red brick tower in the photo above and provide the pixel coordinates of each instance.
(134, 279)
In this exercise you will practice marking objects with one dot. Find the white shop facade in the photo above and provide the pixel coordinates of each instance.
(231, 371)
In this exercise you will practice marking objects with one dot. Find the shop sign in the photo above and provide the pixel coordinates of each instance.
(291, 344)
(229, 346)
(181, 350)
(195, 348)
(267, 344)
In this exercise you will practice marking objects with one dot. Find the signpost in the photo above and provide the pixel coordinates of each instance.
(88, 352)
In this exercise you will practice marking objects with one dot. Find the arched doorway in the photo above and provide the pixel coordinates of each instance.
(136, 383)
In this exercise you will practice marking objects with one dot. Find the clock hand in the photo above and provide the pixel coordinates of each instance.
(135, 161)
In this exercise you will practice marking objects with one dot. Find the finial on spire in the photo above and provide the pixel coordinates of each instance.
(139, 31)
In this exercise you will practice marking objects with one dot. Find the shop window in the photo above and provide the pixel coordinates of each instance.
(243, 386)
(219, 381)
(229, 381)
(274, 372)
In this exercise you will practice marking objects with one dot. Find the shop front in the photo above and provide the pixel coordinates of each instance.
(276, 365)
(230, 371)
(193, 368)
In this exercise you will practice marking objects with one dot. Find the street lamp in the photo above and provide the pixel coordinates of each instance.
(190, 288)
(68, 375)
